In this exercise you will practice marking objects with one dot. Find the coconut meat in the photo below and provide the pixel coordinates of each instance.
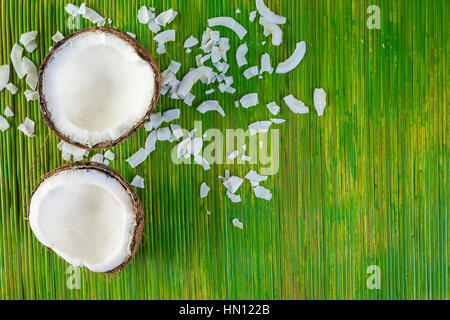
(86, 217)
(97, 87)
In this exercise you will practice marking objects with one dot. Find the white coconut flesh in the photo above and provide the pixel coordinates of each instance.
(96, 88)
(86, 216)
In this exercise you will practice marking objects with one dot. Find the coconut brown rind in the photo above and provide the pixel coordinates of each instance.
(140, 50)
(137, 203)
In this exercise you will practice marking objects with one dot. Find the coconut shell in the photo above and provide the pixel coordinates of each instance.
(138, 207)
(140, 50)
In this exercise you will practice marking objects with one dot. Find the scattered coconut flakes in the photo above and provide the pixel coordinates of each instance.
(176, 131)
(131, 34)
(189, 99)
(30, 69)
(166, 17)
(190, 42)
(272, 29)
(263, 193)
(196, 146)
(246, 158)
(138, 157)
(110, 155)
(94, 17)
(165, 36)
(30, 47)
(240, 55)
(273, 108)
(138, 182)
(164, 134)
(252, 175)
(27, 127)
(202, 162)
(82, 9)
(153, 26)
(277, 120)
(294, 60)
(28, 37)
(4, 76)
(204, 190)
(265, 64)
(143, 16)
(238, 11)
(211, 105)
(150, 142)
(31, 95)
(252, 16)
(320, 101)
(237, 223)
(171, 115)
(263, 42)
(249, 100)
(295, 105)
(71, 150)
(230, 23)
(58, 36)
(233, 183)
(259, 127)
(71, 9)
(233, 197)
(209, 91)
(268, 14)
(251, 72)
(215, 54)
(16, 59)
(161, 49)
(233, 155)
(12, 88)
(4, 125)
(156, 120)
(8, 112)
(191, 78)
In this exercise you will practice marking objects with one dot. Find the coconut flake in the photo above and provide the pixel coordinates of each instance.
(252, 16)
(171, 115)
(28, 37)
(110, 155)
(230, 23)
(252, 175)
(237, 223)
(70, 150)
(277, 120)
(58, 36)
(295, 105)
(165, 36)
(138, 157)
(156, 120)
(82, 9)
(209, 91)
(249, 100)
(94, 17)
(233, 183)
(4, 76)
(190, 42)
(143, 16)
(268, 14)
(189, 99)
(71, 9)
(259, 127)
(211, 105)
(164, 134)
(153, 26)
(272, 29)
(233, 197)
(233, 155)
(4, 125)
(150, 142)
(131, 34)
(204, 189)
(240, 55)
(12, 88)
(138, 182)
(8, 112)
(166, 17)
(320, 101)
(27, 127)
(176, 131)
(31, 95)
(95, 158)
(251, 72)
(30, 69)
(294, 60)
(191, 78)
(263, 193)
(273, 108)
(16, 59)
(265, 64)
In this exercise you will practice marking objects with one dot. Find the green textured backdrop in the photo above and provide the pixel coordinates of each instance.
(366, 184)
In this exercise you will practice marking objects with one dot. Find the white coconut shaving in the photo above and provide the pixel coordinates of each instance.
(268, 14)
(191, 78)
(272, 29)
(4, 125)
(215, 54)
(165, 36)
(233, 155)
(259, 127)
(233, 183)
(58, 36)
(295, 105)
(138, 182)
(16, 59)
(237, 223)
(252, 16)
(277, 120)
(110, 155)
(209, 91)
(27, 127)
(138, 157)
(69, 150)
(150, 142)
(95, 158)
(246, 158)
(202, 162)
(230, 23)
(176, 131)
(131, 34)
(294, 60)
(265, 64)
(8, 112)
(156, 120)
(164, 134)
(71, 9)
(249, 100)
(273, 108)
(171, 115)
(31, 95)
(320, 101)
(252, 175)
(189, 99)
(166, 17)
(263, 193)
(30, 69)
(211, 105)
(251, 72)
(28, 37)
(12, 88)
(4, 76)
(190, 42)
(143, 16)
(233, 197)
(94, 17)
(204, 190)
(240, 55)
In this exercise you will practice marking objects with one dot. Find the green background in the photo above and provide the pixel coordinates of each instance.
(366, 184)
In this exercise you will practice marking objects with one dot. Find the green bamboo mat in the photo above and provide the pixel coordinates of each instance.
(366, 184)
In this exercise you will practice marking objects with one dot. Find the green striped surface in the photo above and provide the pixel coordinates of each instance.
(366, 184)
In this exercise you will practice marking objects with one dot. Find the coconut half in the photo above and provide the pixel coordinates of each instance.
(97, 86)
(89, 215)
